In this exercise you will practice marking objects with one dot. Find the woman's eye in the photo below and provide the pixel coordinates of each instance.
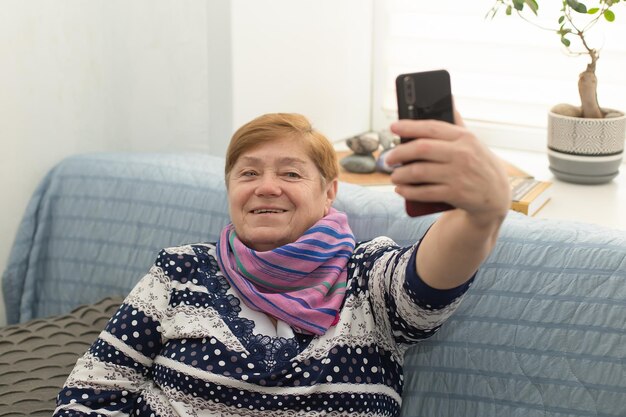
(249, 174)
(292, 175)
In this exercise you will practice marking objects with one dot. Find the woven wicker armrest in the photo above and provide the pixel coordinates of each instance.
(37, 356)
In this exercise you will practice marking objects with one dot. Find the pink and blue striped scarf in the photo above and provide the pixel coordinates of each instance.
(302, 283)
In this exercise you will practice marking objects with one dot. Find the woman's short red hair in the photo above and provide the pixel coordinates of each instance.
(274, 126)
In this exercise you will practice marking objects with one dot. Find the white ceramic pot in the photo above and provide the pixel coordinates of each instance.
(586, 151)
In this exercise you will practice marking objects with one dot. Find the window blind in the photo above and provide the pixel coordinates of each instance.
(506, 73)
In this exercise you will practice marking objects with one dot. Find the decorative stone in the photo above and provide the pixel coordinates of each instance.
(364, 144)
(381, 165)
(387, 139)
(362, 164)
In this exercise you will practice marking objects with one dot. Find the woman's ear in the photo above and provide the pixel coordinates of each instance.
(331, 194)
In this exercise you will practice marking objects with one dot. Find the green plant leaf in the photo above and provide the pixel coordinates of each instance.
(593, 10)
(562, 31)
(565, 41)
(561, 19)
(509, 10)
(518, 4)
(533, 5)
(577, 6)
(609, 15)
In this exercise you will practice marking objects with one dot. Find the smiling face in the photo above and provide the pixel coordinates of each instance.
(276, 193)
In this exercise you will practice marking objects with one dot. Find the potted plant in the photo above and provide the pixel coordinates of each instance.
(586, 142)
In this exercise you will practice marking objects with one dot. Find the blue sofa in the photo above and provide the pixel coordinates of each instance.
(541, 333)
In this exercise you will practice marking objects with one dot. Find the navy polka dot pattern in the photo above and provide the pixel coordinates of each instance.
(107, 353)
(181, 341)
(121, 401)
(136, 330)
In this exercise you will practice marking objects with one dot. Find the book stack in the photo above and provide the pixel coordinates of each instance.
(528, 195)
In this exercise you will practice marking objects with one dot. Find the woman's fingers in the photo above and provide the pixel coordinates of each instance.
(420, 150)
(421, 172)
(426, 129)
(425, 133)
(447, 163)
(463, 173)
(426, 193)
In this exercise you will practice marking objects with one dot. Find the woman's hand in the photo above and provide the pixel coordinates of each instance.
(447, 163)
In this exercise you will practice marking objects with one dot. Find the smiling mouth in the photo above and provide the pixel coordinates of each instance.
(268, 211)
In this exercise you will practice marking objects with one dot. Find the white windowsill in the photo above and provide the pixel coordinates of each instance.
(603, 204)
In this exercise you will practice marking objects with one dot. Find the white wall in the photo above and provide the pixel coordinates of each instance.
(82, 76)
(312, 57)
(165, 75)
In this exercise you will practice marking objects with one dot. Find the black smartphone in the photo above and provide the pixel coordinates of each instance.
(424, 95)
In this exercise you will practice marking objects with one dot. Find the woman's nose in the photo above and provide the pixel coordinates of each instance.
(268, 186)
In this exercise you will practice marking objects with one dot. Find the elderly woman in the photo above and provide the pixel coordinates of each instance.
(286, 314)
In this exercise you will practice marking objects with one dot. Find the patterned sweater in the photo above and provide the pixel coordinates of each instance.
(183, 343)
